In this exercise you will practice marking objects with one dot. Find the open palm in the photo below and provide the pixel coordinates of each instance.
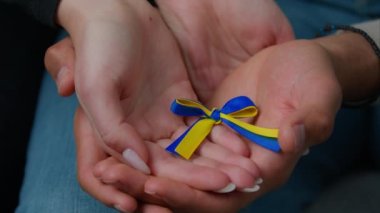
(216, 36)
(297, 93)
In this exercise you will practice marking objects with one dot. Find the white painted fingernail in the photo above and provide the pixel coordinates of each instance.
(250, 190)
(259, 181)
(229, 188)
(306, 152)
(60, 75)
(135, 161)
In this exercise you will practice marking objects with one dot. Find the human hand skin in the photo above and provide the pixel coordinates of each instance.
(134, 77)
(375, 78)
(176, 170)
(116, 56)
(299, 93)
(298, 87)
(118, 185)
(216, 36)
(229, 52)
(284, 87)
(204, 184)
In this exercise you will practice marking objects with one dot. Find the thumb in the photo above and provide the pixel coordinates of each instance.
(304, 128)
(100, 99)
(59, 62)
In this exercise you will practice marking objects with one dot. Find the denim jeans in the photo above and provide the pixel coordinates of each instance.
(50, 183)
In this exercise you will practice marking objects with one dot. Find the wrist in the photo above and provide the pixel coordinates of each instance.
(356, 65)
(73, 15)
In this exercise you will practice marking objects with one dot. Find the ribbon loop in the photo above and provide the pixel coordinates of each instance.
(238, 107)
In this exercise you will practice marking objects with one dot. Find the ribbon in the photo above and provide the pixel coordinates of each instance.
(238, 107)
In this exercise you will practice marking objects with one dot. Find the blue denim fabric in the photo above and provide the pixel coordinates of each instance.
(50, 183)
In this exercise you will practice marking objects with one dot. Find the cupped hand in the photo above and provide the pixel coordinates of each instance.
(213, 44)
(127, 71)
(117, 184)
(296, 90)
(144, 103)
(216, 36)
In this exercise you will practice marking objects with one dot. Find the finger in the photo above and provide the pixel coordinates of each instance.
(227, 138)
(59, 62)
(166, 165)
(223, 155)
(124, 178)
(119, 138)
(304, 129)
(241, 171)
(183, 198)
(150, 208)
(101, 167)
(240, 177)
(88, 154)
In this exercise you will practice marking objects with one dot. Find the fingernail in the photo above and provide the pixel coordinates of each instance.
(252, 189)
(299, 130)
(135, 161)
(306, 152)
(61, 73)
(119, 208)
(259, 181)
(229, 188)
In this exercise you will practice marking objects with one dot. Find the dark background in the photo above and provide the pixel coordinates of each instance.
(23, 42)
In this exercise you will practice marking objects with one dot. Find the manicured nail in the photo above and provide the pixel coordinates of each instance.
(250, 190)
(229, 188)
(61, 73)
(306, 152)
(299, 130)
(135, 161)
(259, 181)
(119, 208)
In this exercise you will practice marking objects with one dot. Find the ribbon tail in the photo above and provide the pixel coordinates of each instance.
(190, 140)
(270, 143)
(171, 148)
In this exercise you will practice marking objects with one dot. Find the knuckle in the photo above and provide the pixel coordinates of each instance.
(323, 124)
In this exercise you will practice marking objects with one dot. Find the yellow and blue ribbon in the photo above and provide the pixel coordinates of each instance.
(238, 107)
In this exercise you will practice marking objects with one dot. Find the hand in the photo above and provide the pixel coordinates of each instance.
(297, 93)
(116, 184)
(119, 72)
(236, 43)
(212, 42)
(216, 36)
(296, 90)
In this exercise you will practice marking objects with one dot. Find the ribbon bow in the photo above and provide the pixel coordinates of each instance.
(238, 107)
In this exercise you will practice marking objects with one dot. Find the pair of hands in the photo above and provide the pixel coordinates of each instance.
(128, 102)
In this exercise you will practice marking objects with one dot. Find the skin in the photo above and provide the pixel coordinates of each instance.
(229, 49)
(143, 78)
(172, 83)
(299, 126)
(293, 82)
(217, 36)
